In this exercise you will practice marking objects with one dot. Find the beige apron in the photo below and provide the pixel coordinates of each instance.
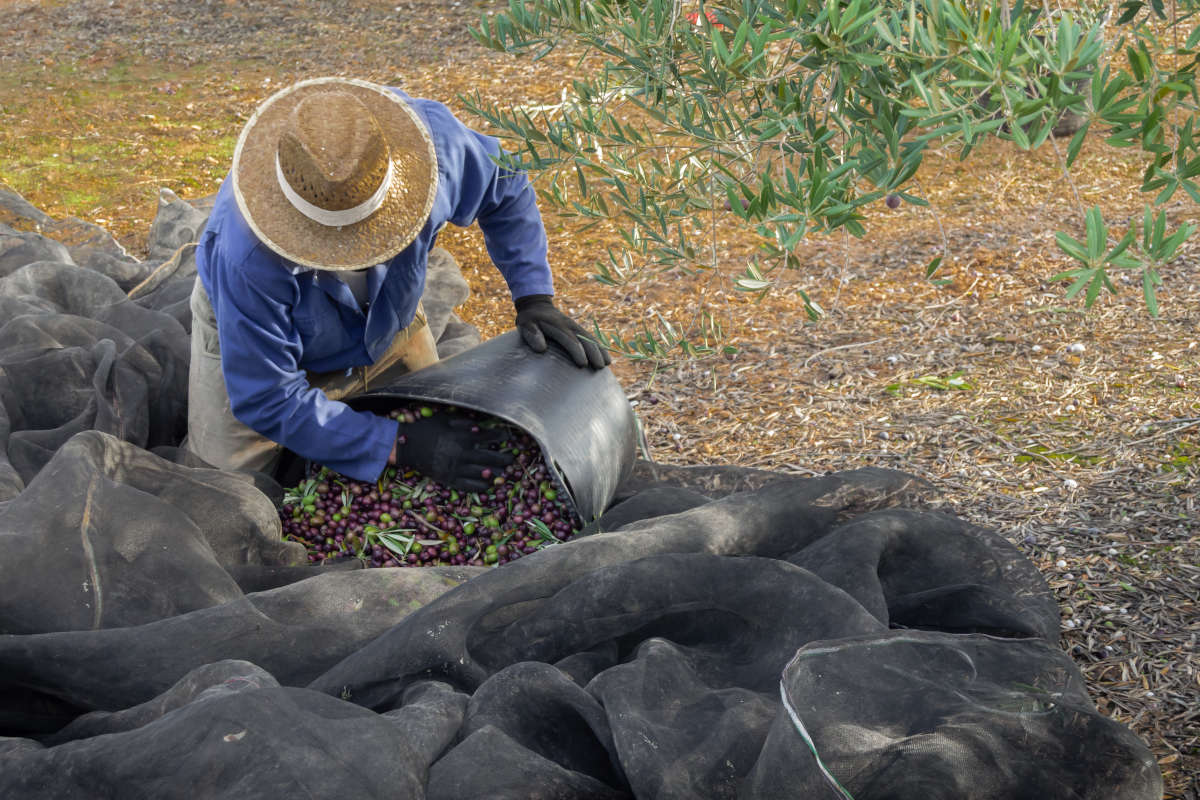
(216, 436)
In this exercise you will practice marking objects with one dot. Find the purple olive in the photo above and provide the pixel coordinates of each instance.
(330, 519)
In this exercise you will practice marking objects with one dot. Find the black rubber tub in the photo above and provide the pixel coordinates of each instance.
(580, 418)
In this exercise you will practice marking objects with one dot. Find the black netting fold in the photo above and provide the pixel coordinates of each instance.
(718, 633)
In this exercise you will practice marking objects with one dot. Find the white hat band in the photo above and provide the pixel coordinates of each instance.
(335, 219)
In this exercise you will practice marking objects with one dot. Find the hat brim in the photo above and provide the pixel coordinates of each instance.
(379, 237)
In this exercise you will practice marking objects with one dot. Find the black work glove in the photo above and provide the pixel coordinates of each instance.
(538, 319)
(453, 450)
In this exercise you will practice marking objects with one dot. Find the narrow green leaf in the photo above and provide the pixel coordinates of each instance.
(1193, 38)
(1121, 246)
(718, 44)
(1094, 288)
(1019, 136)
(1084, 276)
(1067, 275)
(1131, 10)
(1077, 143)
(583, 184)
(1149, 277)
(1097, 233)
(1166, 251)
(863, 17)
(1071, 246)
(1152, 232)
(811, 307)
(1042, 133)
(1169, 183)
(1135, 64)
(886, 34)
(1192, 190)
(739, 39)
(913, 199)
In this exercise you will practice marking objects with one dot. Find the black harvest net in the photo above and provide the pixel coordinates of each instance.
(715, 633)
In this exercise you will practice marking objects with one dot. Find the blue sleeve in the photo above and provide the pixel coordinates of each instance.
(269, 392)
(501, 201)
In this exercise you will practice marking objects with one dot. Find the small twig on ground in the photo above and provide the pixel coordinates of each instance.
(1010, 445)
(1160, 434)
(808, 360)
(953, 300)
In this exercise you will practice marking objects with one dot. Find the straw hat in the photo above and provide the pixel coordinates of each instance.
(335, 173)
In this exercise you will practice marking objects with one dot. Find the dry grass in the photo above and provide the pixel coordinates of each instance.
(1088, 460)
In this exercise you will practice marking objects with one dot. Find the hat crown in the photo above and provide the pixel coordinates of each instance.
(361, 173)
(332, 151)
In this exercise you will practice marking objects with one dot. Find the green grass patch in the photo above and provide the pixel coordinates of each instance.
(77, 138)
(1183, 458)
(1058, 455)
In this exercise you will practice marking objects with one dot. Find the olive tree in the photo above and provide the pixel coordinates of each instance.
(793, 115)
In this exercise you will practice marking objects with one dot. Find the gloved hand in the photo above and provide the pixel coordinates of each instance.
(537, 319)
(453, 450)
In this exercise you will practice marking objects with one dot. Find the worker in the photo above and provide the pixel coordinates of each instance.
(311, 270)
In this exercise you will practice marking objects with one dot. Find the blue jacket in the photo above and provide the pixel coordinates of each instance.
(276, 319)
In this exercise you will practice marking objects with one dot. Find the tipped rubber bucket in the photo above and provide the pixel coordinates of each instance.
(580, 418)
